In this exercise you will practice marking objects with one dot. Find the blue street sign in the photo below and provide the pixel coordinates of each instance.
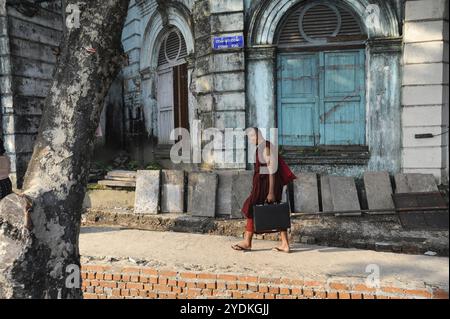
(233, 42)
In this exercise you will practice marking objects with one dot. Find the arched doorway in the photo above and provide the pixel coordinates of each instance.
(172, 85)
(321, 76)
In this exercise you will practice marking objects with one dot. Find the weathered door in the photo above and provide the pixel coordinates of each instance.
(342, 107)
(165, 105)
(321, 98)
(181, 110)
(298, 99)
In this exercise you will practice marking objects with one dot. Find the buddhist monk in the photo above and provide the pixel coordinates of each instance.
(270, 176)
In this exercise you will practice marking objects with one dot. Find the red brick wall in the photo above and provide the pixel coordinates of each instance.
(106, 282)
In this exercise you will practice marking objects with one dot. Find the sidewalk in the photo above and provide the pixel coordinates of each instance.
(182, 252)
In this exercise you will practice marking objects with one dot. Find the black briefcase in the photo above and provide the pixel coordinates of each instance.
(271, 218)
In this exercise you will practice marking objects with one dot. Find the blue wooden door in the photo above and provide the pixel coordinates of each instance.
(342, 98)
(321, 98)
(298, 99)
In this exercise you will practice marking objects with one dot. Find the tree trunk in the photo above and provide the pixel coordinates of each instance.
(39, 255)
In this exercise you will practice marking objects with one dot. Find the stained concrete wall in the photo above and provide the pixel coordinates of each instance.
(425, 87)
(32, 44)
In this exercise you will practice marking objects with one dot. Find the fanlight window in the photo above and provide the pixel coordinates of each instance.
(319, 23)
(173, 48)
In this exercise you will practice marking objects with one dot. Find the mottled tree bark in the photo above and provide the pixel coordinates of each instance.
(39, 253)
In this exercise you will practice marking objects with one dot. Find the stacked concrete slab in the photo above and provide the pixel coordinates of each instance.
(202, 189)
(147, 199)
(415, 183)
(379, 191)
(306, 193)
(172, 191)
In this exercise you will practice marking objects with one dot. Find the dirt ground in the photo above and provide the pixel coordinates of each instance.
(195, 252)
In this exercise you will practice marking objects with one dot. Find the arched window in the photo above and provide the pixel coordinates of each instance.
(321, 76)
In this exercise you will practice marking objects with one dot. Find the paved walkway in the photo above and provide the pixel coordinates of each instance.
(213, 253)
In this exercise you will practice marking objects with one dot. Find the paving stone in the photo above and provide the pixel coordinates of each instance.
(202, 189)
(415, 183)
(147, 200)
(306, 193)
(379, 191)
(224, 191)
(172, 191)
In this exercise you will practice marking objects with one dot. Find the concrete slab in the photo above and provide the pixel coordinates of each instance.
(147, 199)
(379, 191)
(327, 202)
(344, 194)
(224, 191)
(202, 188)
(415, 183)
(306, 193)
(172, 191)
(241, 187)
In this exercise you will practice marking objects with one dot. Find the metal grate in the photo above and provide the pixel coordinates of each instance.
(319, 24)
(173, 48)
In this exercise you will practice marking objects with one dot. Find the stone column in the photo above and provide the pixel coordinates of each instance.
(425, 88)
(383, 89)
(261, 87)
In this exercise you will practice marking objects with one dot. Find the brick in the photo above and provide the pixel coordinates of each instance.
(221, 286)
(263, 289)
(149, 272)
(84, 275)
(126, 277)
(253, 295)
(117, 277)
(143, 294)
(171, 295)
(134, 279)
(308, 292)
(181, 283)
(188, 275)
(191, 284)
(362, 288)
(121, 285)
(152, 280)
(227, 277)
(332, 295)
(148, 287)
(116, 292)
(296, 291)
(133, 270)
(275, 281)
(95, 268)
(339, 286)
(125, 292)
(135, 285)
(313, 283)
(207, 276)
(144, 280)
(168, 273)
(242, 286)
(108, 277)
(134, 292)
(253, 288)
(393, 290)
(91, 275)
(232, 286)
(207, 292)
(320, 294)
(419, 293)
(274, 290)
(98, 290)
(152, 295)
(285, 291)
(237, 295)
(248, 279)
(368, 296)
(193, 292)
(163, 288)
(90, 296)
(201, 285)
(269, 296)
(211, 285)
(177, 290)
(95, 283)
(162, 280)
(108, 284)
(172, 282)
(356, 296)
(440, 294)
(344, 295)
